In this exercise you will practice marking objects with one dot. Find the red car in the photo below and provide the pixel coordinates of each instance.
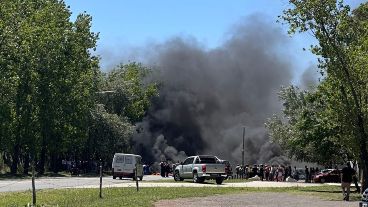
(328, 176)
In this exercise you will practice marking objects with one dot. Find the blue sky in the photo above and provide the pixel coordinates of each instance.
(128, 24)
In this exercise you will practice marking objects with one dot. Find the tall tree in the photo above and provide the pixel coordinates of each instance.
(124, 97)
(49, 60)
(131, 89)
(308, 123)
(342, 52)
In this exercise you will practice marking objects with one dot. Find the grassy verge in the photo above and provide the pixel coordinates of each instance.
(147, 196)
(171, 180)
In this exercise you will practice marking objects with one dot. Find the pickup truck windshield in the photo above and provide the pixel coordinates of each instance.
(207, 160)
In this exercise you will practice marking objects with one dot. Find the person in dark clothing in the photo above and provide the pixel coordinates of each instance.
(311, 174)
(261, 172)
(306, 174)
(346, 179)
(254, 170)
(162, 166)
(167, 170)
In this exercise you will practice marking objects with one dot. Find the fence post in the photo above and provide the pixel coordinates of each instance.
(100, 178)
(136, 177)
(33, 185)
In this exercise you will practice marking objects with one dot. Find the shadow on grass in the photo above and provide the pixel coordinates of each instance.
(352, 190)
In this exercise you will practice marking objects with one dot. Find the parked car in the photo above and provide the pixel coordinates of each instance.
(364, 202)
(126, 165)
(328, 176)
(200, 168)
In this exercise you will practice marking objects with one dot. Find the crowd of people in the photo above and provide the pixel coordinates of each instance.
(166, 168)
(277, 173)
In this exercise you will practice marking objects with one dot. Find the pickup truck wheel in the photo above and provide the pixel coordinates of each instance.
(177, 176)
(195, 177)
(219, 180)
(323, 180)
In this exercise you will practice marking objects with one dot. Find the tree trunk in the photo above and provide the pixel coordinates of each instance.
(26, 164)
(14, 166)
(41, 164)
(364, 158)
(54, 163)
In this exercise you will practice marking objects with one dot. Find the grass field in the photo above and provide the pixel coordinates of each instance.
(171, 180)
(147, 196)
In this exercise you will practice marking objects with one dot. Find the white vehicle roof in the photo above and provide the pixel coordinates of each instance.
(127, 154)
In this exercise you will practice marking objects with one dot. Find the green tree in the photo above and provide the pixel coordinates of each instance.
(131, 90)
(342, 51)
(308, 124)
(109, 133)
(124, 97)
(49, 80)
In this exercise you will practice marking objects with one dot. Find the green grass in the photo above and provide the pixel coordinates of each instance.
(147, 196)
(171, 180)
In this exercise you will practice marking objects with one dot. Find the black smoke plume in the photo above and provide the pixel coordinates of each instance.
(209, 95)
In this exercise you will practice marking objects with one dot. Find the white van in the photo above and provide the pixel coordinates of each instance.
(123, 165)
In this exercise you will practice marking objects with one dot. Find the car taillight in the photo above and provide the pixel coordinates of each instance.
(204, 168)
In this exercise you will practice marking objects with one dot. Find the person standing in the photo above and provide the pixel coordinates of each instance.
(306, 174)
(346, 179)
(261, 172)
(311, 176)
(237, 170)
(162, 168)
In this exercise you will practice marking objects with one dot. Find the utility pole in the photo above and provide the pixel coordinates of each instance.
(243, 147)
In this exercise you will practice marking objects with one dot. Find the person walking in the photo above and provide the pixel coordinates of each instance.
(347, 177)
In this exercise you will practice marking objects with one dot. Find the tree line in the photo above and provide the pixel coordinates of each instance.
(329, 123)
(55, 102)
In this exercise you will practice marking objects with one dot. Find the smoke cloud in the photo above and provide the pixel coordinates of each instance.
(310, 77)
(209, 95)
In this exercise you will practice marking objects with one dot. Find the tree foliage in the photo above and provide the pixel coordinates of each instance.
(53, 104)
(342, 55)
(308, 131)
(123, 98)
(47, 80)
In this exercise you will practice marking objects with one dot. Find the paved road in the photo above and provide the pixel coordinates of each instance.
(68, 182)
(266, 199)
(93, 182)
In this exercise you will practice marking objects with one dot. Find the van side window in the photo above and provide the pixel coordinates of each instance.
(119, 159)
(128, 160)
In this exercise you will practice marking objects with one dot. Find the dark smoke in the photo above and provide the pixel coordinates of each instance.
(209, 95)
